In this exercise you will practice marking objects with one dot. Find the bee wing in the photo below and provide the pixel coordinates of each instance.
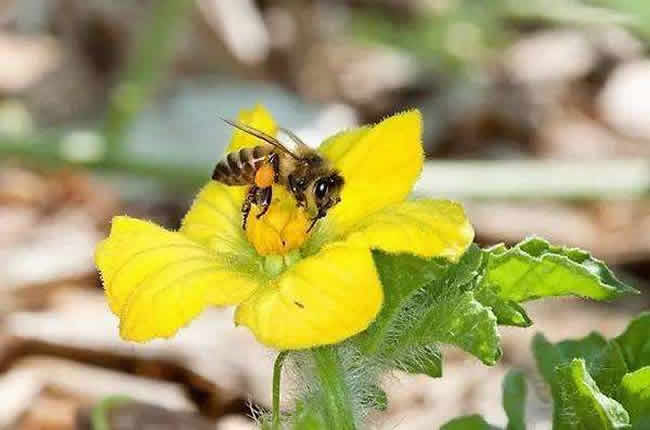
(295, 139)
(263, 136)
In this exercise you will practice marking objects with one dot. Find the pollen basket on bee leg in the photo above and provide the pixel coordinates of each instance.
(265, 176)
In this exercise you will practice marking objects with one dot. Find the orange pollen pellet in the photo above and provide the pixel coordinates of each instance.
(264, 176)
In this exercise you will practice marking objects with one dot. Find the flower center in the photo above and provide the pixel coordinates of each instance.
(274, 265)
(282, 229)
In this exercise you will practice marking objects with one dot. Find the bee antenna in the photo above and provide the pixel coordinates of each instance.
(260, 135)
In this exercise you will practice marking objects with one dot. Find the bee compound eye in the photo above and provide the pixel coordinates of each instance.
(321, 189)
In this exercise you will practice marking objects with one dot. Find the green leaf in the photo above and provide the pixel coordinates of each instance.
(634, 394)
(514, 400)
(514, 403)
(306, 417)
(549, 355)
(588, 347)
(401, 276)
(470, 422)
(428, 301)
(506, 311)
(608, 368)
(426, 360)
(579, 404)
(604, 359)
(458, 320)
(376, 398)
(464, 273)
(535, 269)
(635, 342)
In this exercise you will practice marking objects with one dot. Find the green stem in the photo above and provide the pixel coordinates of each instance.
(145, 69)
(47, 152)
(277, 373)
(335, 398)
(99, 419)
(536, 179)
(613, 179)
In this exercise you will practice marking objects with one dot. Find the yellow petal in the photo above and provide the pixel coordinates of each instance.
(337, 146)
(379, 165)
(320, 300)
(156, 281)
(258, 118)
(214, 220)
(427, 228)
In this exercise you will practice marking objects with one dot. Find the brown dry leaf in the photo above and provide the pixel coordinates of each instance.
(226, 360)
(58, 248)
(50, 411)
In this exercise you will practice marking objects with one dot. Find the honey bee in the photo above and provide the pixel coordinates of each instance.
(311, 179)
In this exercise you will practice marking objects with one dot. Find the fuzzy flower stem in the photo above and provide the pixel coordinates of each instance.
(337, 409)
(277, 373)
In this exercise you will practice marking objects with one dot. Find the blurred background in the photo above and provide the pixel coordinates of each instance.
(536, 114)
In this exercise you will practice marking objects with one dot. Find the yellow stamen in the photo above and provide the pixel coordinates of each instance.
(282, 229)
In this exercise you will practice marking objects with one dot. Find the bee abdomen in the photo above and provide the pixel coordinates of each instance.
(238, 168)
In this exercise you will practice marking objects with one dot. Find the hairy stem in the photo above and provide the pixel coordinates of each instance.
(336, 405)
(277, 374)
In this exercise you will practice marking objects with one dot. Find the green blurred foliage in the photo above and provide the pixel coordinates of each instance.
(466, 32)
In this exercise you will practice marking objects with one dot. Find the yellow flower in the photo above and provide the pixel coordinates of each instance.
(292, 289)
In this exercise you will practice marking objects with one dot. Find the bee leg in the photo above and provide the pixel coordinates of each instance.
(314, 220)
(246, 206)
(300, 201)
(274, 160)
(297, 192)
(264, 197)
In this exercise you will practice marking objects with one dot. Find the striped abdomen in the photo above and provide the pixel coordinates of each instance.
(238, 168)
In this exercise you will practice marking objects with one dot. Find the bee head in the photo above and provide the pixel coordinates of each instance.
(327, 191)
